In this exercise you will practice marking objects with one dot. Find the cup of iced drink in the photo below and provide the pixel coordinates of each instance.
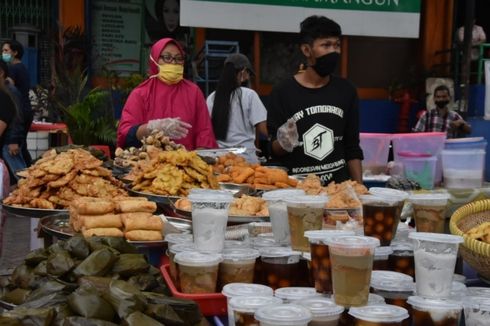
(401, 260)
(381, 256)
(237, 266)
(348, 320)
(283, 315)
(435, 258)
(198, 272)
(476, 311)
(352, 262)
(244, 308)
(305, 213)
(427, 312)
(320, 258)
(429, 211)
(381, 216)
(325, 312)
(295, 293)
(279, 214)
(399, 196)
(281, 267)
(380, 315)
(209, 218)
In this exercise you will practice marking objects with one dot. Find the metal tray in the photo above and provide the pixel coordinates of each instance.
(31, 212)
(58, 226)
(160, 199)
(7, 305)
(220, 151)
(234, 219)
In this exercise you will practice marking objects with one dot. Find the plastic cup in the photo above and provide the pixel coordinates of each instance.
(381, 215)
(173, 267)
(244, 308)
(283, 315)
(295, 293)
(386, 315)
(279, 214)
(476, 311)
(435, 258)
(305, 213)
(352, 263)
(428, 311)
(320, 258)
(381, 256)
(198, 272)
(348, 320)
(237, 266)
(401, 260)
(325, 312)
(233, 290)
(280, 267)
(175, 238)
(429, 211)
(478, 291)
(209, 218)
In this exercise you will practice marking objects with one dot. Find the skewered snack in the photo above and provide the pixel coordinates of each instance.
(174, 173)
(57, 179)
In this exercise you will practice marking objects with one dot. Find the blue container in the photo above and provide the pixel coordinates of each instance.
(466, 143)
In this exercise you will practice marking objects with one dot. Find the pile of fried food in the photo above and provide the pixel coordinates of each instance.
(243, 206)
(55, 180)
(234, 168)
(480, 232)
(131, 217)
(174, 173)
(152, 145)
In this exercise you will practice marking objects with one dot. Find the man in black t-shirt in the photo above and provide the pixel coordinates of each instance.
(314, 115)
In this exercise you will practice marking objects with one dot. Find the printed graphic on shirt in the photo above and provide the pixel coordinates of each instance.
(318, 141)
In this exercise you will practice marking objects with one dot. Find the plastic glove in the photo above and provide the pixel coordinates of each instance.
(174, 128)
(287, 135)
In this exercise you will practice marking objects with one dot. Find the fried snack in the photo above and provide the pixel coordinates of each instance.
(133, 222)
(249, 206)
(100, 221)
(312, 185)
(480, 232)
(143, 235)
(141, 215)
(183, 204)
(102, 232)
(127, 206)
(93, 206)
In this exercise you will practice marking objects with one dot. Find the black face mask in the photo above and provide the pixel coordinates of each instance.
(326, 64)
(245, 83)
(441, 104)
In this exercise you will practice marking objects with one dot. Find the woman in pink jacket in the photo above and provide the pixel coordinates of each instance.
(166, 102)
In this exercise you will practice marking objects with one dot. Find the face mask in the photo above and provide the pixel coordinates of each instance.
(245, 83)
(169, 73)
(6, 57)
(441, 104)
(326, 64)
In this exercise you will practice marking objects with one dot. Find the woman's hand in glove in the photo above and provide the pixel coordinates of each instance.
(171, 127)
(287, 135)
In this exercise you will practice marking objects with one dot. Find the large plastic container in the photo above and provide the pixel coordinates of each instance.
(419, 167)
(466, 143)
(375, 148)
(463, 169)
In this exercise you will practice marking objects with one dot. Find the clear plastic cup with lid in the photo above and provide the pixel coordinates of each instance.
(377, 276)
(458, 291)
(435, 258)
(198, 272)
(283, 315)
(320, 257)
(232, 290)
(294, 293)
(236, 244)
(476, 311)
(429, 211)
(209, 218)
(381, 256)
(459, 278)
(279, 214)
(325, 312)
(305, 213)
(428, 311)
(238, 266)
(394, 291)
(379, 315)
(280, 267)
(352, 263)
(348, 320)
(243, 308)
(260, 242)
(174, 238)
(401, 260)
(478, 291)
(172, 251)
(381, 215)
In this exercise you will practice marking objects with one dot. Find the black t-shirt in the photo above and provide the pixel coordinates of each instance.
(19, 74)
(328, 125)
(7, 113)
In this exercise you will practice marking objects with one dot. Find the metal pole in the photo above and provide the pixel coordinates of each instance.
(466, 69)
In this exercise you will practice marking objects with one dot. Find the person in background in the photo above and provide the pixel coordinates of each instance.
(477, 37)
(11, 124)
(12, 53)
(166, 102)
(237, 113)
(313, 116)
(441, 118)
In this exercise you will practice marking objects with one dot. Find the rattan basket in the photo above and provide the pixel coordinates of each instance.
(475, 253)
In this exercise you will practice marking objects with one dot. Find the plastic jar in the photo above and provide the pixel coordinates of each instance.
(381, 255)
(386, 315)
(243, 308)
(173, 267)
(290, 294)
(281, 267)
(237, 266)
(198, 272)
(434, 311)
(325, 312)
(402, 260)
(283, 315)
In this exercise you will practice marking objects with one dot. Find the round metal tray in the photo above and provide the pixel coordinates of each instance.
(7, 305)
(160, 199)
(31, 212)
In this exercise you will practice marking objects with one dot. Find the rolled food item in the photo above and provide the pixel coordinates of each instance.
(136, 221)
(129, 206)
(101, 221)
(102, 232)
(144, 235)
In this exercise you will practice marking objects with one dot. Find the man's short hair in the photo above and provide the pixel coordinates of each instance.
(442, 88)
(315, 27)
(15, 46)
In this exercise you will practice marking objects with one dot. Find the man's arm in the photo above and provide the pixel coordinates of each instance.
(355, 170)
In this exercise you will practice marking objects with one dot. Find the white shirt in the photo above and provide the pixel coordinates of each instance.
(241, 128)
(477, 37)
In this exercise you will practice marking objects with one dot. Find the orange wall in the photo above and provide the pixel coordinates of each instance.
(72, 13)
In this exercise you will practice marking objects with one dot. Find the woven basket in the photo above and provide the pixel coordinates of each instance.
(476, 253)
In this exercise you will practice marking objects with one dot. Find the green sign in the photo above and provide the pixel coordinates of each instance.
(370, 5)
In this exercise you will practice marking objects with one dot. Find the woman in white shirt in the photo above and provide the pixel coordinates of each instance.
(237, 113)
